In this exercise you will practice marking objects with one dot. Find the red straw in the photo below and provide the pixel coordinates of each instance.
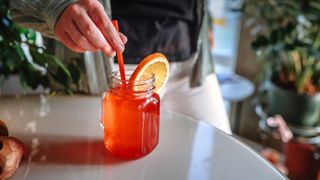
(119, 55)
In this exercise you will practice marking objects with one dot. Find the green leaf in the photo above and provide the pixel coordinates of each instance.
(275, 36)
(75, 73)
(50, 62)
(23, 80)
(56, 62)
(4, 7)
(19, 51)
(10, 59)
(306, 75)
(315, 5)
(29, 34)
(316, 42)
(260, 42)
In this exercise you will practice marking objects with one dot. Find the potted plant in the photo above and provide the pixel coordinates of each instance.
(21, 55)
(287, 43)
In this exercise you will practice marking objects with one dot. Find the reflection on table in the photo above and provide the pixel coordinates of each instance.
(65, 141)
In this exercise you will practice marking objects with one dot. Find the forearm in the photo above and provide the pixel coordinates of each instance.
(40, 15)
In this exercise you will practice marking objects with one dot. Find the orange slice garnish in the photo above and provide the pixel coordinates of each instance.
(158, 65)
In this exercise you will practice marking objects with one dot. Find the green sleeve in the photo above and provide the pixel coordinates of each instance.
(40, 15)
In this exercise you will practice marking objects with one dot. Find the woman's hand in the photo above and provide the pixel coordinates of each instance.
(85, 26)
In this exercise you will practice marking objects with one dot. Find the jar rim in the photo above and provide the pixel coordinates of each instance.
(148, 78)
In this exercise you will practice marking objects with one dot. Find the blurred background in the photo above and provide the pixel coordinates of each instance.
(266, 55)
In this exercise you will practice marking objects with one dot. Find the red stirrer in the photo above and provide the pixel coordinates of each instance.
(119, 55)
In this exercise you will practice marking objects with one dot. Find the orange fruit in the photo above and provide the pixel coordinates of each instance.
(156, 64)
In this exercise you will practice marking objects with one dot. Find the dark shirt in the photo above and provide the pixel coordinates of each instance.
(181, 9)
(166, 26)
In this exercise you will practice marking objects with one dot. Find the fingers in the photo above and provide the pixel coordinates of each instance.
(85, 26)
(123, 38)
(94, 35)
(101, 19)
(61, 28)
(77, 37)
(66, 39)
(90, 30)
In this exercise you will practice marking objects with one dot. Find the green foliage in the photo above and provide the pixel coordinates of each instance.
(287, 41)
(20, 54)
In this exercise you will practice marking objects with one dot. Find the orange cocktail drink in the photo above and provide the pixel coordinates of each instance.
(131, 107)
(131, 117)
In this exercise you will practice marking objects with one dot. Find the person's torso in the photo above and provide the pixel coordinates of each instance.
(166, 26)
(181, 9)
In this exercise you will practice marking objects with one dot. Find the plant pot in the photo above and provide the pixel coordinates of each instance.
(300, 160)
(296, 109)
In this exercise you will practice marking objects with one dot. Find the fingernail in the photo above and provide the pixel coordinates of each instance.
(120, 47)
(113, 54)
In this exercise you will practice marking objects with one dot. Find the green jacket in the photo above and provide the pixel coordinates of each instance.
(42, 15)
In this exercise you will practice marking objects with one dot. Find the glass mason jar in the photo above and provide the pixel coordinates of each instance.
(130, 115)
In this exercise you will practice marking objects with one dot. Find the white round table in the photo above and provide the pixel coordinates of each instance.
(65, 142)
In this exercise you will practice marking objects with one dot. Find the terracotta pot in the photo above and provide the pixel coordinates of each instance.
(300, 161)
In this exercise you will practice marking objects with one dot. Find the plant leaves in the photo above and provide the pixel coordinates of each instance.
(75, 73)
(260, 42)
(42, 68)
